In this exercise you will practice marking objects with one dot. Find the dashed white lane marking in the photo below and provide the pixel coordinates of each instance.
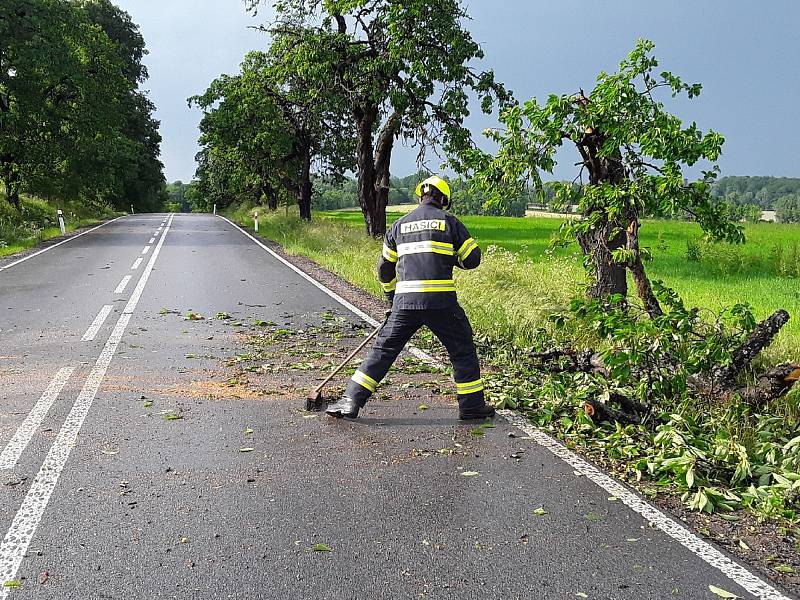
(733, 570)
(42, 251)
(146, 249)
(152, 240)
(97, 323)
(123, 284)
(26, 521)
(136, 263)
(22, 437)
(137, 292)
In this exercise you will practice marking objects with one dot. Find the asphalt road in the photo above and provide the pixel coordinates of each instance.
(105, 495)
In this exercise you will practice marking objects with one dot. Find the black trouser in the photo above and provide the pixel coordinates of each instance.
(452, 328)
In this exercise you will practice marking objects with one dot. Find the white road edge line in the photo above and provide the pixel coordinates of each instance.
(43, 250)
(705, 551)
(123, 284)
(97, 323)
(136, 263)
(27, 519)
(23, 435)
(146, 249)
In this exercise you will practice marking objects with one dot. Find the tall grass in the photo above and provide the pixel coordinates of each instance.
(36, 221)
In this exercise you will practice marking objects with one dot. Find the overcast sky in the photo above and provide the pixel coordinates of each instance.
(744, 52)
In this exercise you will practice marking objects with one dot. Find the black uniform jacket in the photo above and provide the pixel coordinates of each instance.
(419, 253)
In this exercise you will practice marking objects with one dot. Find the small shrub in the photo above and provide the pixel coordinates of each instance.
(694, 249)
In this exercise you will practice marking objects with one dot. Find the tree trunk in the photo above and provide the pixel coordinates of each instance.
(760, 338)
(608, 276)
(367, 196)
(304, 199)
(11, 182)
(640, 279)
(271, 196)
(773, 384)
(383, 158)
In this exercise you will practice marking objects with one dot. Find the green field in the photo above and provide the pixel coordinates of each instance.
(755, 273)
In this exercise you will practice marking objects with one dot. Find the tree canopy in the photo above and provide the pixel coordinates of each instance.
(400, 69)
(265, 128)
(72, 121)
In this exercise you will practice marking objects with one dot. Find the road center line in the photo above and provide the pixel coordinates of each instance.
(136, 263)
(146, 250)
(123, 284)
(97, 323)
(152, 240)
(22, 437)
(26, 521)
(137, 292)
(705, 551)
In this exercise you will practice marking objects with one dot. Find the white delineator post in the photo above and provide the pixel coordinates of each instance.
(255, 221)
(133, 212)
(61, 221)
(215, 208)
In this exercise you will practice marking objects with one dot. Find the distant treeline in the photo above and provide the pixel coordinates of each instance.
(402, 190)
(746, 197)
(781, 194)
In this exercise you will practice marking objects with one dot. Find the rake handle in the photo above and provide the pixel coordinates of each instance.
(318, 389)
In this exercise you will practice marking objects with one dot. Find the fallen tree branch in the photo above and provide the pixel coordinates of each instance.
(724, 377)
(773, 384)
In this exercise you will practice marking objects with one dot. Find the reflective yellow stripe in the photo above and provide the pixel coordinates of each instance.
(470, 387)
(426, 246)
(389, 287)
(426, 285)
(389, 254)
(467, 248)
(365, 381)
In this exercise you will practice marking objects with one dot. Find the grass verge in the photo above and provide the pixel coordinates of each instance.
(37, 222)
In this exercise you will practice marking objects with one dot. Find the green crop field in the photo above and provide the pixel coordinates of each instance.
(764, 272)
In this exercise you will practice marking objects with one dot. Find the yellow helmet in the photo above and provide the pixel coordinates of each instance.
(437, 182)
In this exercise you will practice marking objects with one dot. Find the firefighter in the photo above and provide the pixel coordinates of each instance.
(416, 273)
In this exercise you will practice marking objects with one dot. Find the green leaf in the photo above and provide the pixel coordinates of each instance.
(785, 569)
(540, 512)
(470, 473)
(594, 517)
(722, 593)
(13, 583)
(246, 449)
(321, 548)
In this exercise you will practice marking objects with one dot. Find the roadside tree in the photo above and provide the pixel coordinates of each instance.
(266, 128)
(405, 70)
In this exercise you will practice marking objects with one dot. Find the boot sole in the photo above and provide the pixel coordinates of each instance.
(338, 415)
(475, 417)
